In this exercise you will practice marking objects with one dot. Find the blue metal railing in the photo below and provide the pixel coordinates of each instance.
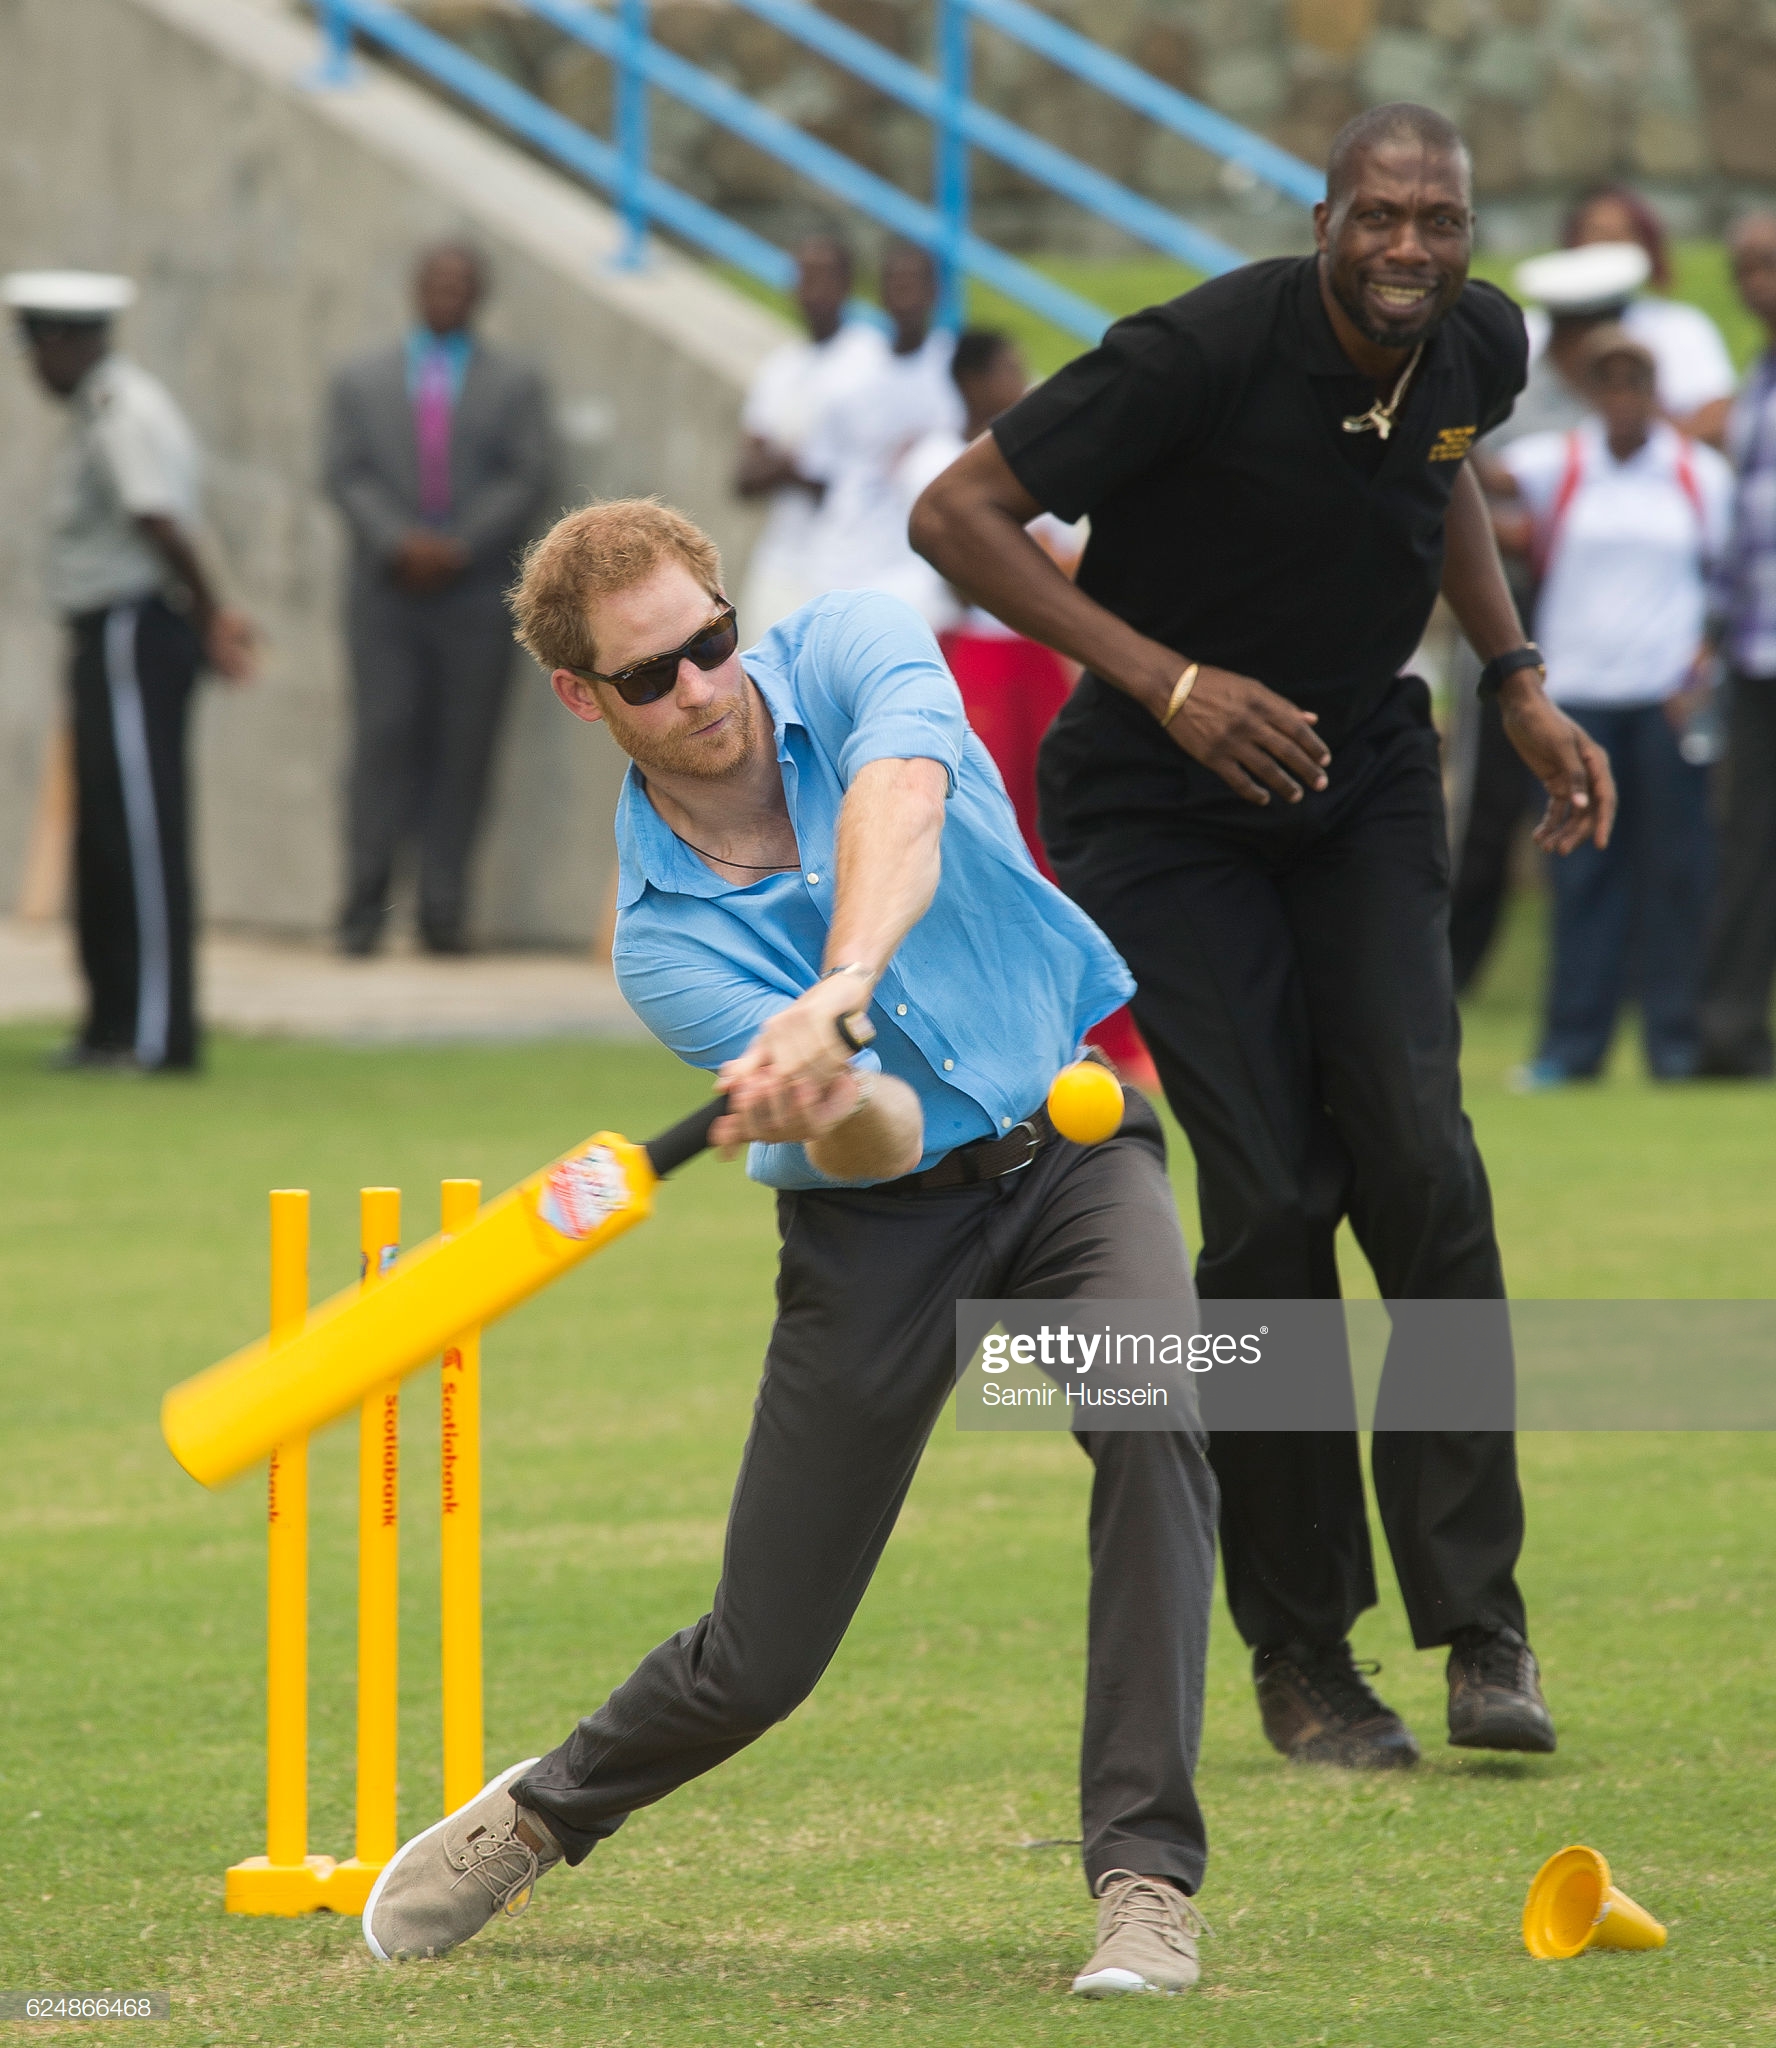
(959, 125)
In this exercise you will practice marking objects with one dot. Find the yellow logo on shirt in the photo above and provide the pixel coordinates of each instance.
(1451, 444)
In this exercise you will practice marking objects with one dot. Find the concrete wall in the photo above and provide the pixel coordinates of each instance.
(1679, 95)
(271, 228)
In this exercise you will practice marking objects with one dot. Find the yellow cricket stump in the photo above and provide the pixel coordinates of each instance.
(459, 1534)
(379, 1568)
(287, 1880)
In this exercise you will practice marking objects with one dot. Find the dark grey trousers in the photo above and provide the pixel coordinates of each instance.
(429, 681)
(860, 1364)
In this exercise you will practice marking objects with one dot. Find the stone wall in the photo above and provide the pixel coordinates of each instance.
(272, 228)
(1678, 95)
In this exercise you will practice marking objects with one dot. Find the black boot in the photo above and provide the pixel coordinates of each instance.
(1495, 1693)
(1318, 1709)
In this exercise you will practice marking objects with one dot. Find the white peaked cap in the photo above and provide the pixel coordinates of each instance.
(67, 294)
(1595, 279)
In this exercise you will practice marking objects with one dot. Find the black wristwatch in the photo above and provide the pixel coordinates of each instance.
(856, 1030)
(1493, 675)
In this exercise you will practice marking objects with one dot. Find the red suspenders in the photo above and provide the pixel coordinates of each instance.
(1573, 475)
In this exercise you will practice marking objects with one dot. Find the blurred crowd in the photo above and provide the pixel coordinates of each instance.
(1634, 498)
(1633, 492)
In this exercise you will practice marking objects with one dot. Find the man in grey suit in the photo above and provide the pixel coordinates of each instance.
(440, 454)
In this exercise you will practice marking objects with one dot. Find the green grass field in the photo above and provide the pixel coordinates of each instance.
(858, 1876)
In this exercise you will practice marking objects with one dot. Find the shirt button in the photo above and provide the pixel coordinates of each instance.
(1005, 1121)
(900, 1009)
(949, 1065)
(813, 878)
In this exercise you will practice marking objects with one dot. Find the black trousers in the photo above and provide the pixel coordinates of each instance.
(132, 674)
(430, 675)
(860, 1365)
(1741, 956)
(1294, 986)
(1504, 794)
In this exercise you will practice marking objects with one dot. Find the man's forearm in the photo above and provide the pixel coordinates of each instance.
(889, 860)
(1473, 575)
(969, 525)
(180, 556)
(881, 1141)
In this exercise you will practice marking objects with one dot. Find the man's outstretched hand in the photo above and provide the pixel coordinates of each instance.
(1257, 742)
(1565, 760)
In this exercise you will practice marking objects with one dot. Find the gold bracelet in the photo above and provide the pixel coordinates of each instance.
(1181, 690)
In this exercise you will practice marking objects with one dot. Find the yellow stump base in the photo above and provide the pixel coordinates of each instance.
(315, 1885)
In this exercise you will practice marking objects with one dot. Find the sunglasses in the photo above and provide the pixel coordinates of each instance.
(646, 682)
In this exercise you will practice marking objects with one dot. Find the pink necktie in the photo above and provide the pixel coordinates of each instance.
(431, 427)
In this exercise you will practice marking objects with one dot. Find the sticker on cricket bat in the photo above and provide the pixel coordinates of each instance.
(581, 1192)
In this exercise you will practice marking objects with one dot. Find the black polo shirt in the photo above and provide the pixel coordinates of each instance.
(1232, 517)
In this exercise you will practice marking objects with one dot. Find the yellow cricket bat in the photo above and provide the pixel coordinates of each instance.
(225, 1420)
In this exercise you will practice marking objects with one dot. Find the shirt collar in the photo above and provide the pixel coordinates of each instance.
(455, 348)
(1661, 442)
(651, 855)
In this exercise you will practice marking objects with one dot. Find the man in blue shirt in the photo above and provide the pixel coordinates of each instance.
(818, 856)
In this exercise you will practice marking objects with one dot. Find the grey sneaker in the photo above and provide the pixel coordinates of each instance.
(1147, 1934)
(446, 1884)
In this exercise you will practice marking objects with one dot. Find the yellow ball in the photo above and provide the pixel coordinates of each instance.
(1085, 1103)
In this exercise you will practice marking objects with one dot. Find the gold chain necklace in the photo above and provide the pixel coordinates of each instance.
(1379, 419)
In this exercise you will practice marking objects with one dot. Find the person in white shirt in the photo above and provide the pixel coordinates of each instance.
(1697, 380)
(143, 620)
(866, 431)
(1011, 687)
(788, 399)
(1625, 516)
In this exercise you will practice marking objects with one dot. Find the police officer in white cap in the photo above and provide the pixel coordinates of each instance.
(144, 621)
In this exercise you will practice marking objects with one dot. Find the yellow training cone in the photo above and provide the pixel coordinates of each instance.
(1573, 1906)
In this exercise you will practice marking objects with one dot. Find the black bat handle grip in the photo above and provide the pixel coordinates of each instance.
(683, 1140)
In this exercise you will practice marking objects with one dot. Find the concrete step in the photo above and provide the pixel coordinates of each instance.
(299, 989)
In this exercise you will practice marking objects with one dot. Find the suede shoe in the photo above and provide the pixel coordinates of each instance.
(1495, 1693)
(1147, 1934)
(1318, 1708)
(444, 1885)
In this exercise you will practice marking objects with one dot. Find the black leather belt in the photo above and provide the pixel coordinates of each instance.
(984, 1159)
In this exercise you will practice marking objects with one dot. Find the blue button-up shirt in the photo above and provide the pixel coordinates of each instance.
(993, 988)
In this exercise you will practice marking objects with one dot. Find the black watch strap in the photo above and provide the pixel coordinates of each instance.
(1493, 675)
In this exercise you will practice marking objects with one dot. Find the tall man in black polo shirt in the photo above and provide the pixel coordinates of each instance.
(1244, 793)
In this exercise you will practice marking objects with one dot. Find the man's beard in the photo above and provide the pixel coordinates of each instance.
(1441, 302)
(678, 753)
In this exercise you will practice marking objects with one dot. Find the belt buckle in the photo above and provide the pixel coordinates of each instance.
(1034, 1143)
